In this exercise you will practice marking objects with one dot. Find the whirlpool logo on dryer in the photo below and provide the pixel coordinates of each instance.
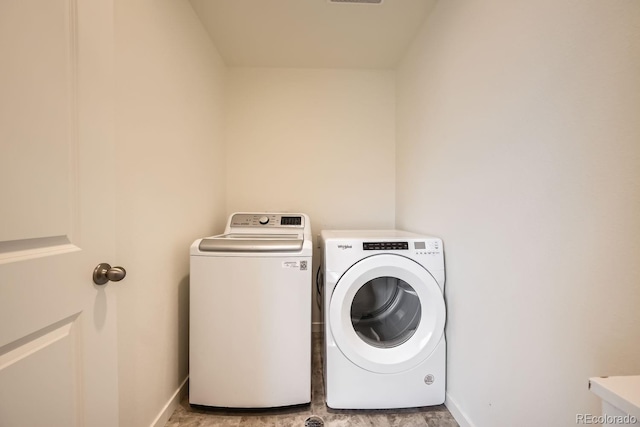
(343, 246)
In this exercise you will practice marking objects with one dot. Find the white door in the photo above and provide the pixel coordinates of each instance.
(58, 355)
(387, 313)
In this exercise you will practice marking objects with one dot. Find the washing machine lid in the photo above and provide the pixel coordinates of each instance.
(387, 313)
(241, 242)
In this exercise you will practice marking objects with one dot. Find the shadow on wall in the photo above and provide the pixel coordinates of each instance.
(183, 327)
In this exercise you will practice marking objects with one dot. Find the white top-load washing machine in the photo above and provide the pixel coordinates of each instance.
(250, 313)
(384, 314)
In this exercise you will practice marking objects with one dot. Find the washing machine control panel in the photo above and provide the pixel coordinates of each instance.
(267, 220)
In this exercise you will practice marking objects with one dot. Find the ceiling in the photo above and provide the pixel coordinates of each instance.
(312, 33)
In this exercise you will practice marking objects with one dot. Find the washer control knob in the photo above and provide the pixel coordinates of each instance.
(264, 220)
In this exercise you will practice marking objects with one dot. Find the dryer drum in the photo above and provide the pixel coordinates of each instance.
(386, 312)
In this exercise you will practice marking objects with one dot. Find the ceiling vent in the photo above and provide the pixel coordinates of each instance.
(357, 1)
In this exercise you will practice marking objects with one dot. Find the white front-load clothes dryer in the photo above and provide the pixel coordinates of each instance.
(384, 314)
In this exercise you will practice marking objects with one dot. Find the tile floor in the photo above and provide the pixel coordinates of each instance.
(187, 416)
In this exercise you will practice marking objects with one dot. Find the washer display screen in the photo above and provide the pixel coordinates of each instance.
(385, 312)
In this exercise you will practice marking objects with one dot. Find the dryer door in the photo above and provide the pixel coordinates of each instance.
(387, 313)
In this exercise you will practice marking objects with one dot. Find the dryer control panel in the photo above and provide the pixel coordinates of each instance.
(267, 220)
(385, 246)
(428, 247)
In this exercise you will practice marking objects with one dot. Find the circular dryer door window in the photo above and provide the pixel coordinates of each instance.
(387, 313)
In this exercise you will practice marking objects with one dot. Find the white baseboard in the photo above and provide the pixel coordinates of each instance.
(171, 405)
(457, 412)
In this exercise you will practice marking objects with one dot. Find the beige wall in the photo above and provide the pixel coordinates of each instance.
(170, 190)
(315, 141)
(518, 144)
